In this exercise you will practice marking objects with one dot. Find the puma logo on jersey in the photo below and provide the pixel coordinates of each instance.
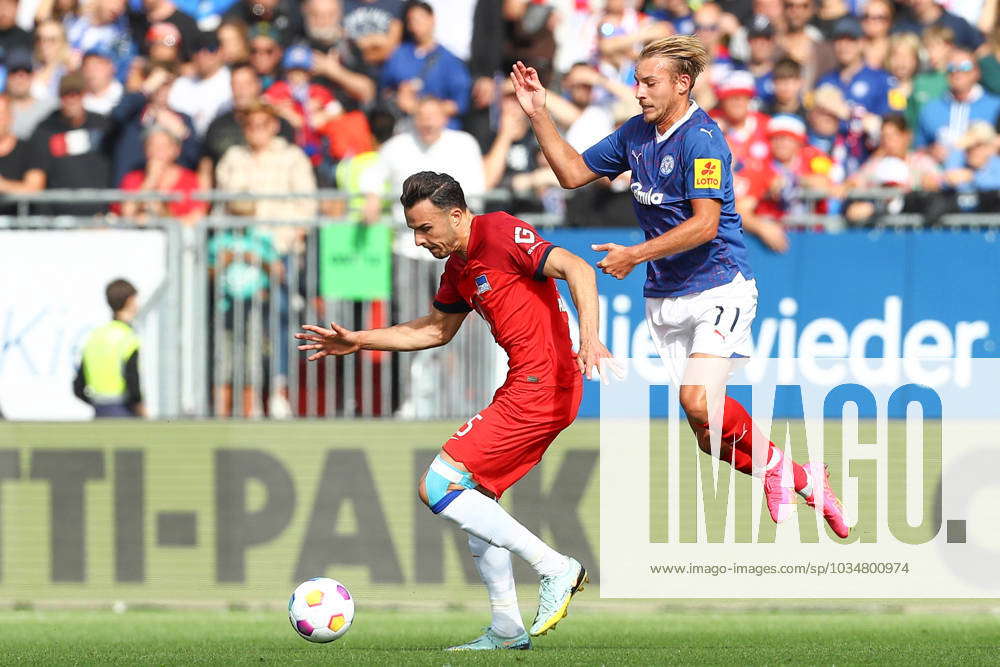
(708, 132)
(647, 197)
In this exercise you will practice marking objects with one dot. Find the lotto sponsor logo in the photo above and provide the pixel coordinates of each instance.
(707, 173)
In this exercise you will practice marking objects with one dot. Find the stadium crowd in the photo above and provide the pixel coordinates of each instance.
(821, 101)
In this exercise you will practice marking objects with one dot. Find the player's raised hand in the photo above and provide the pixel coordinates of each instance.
(336, 340)
(618, 262)
(528, 88)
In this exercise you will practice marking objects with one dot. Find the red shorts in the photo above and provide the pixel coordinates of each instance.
(500, 444)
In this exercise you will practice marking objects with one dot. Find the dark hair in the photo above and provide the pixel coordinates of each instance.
(382, 124)
(412, 4)
(118, 292)
(786, 68)
(897, 120)
(441, 189)
(242, 64)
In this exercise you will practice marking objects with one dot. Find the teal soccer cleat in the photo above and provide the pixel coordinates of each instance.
(490, 641)
(554, 595)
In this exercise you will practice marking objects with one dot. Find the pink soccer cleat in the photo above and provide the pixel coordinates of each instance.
(833, 511)
(779, 496)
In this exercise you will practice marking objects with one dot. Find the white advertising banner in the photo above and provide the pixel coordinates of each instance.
(51, 296)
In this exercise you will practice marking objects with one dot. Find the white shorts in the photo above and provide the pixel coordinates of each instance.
(715, 321)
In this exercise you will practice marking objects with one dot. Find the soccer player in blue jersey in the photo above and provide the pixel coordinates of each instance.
(700, 292)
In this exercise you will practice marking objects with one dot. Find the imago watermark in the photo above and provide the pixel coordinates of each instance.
(912, 447)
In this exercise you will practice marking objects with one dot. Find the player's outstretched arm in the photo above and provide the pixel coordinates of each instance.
(432, 330)
(564, 265)
(567, 164)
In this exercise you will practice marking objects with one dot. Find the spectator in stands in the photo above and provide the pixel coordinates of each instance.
(104, 91)
(946, 119)
(18, 171)
(786, 80)
(745, 130)
(797, 166)
(206, 91)
(282, 16)
(829, 12)
(585, 114)
(863, 87)
(931, 83)
(804, 43)
(374, 28)
(335, 64)
(973, 164)
(353, 173)
(876, 22)
(306, 106)
(927, 13)
(108, 375)
(902, 64)
(265, 53)
(529, 31)
(621, 33)
(827, 122)
(53, 59)
(895, 164)
(676, 12)
(989, 64)
(268, 163)
(421, 66)
(166, 44)
(760, 36)
(28, 110)
(513, 150)
(67, 146)
(103, 26)
(234, 42)
(162, 174)
(227, 130)
(12, 38)
(486, 62)
(155, 12)
(430, 146)
(709, 21)
(140, 110)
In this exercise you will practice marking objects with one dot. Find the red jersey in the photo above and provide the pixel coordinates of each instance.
(502, 278)
(748, 142)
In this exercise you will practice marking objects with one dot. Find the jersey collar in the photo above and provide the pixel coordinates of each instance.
(692, 107)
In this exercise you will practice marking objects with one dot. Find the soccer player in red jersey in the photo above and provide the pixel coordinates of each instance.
(502, 268)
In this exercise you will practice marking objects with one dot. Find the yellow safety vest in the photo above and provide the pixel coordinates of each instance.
(107, 349)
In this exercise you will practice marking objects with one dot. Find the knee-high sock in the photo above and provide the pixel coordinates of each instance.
(497, 573)
(486, 519)
(739, 432)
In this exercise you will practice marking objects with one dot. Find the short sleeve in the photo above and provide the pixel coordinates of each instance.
(608, 157)
(706, 163)
(448, 299)
(517, 247)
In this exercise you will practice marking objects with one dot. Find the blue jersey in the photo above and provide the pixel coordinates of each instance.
(691, 161)
(868, 88)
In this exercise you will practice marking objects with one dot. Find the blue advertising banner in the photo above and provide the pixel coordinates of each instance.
(855, 294)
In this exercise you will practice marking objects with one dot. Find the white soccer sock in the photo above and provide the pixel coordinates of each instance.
(486, 519)
(497, 573)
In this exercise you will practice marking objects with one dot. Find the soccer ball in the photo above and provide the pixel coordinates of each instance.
(321, 610)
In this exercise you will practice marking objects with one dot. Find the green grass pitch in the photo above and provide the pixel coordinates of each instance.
(807, 637)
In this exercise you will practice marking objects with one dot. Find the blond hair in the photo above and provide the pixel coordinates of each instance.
(686, 53)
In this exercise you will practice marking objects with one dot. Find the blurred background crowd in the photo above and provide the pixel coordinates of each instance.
(821, 101)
